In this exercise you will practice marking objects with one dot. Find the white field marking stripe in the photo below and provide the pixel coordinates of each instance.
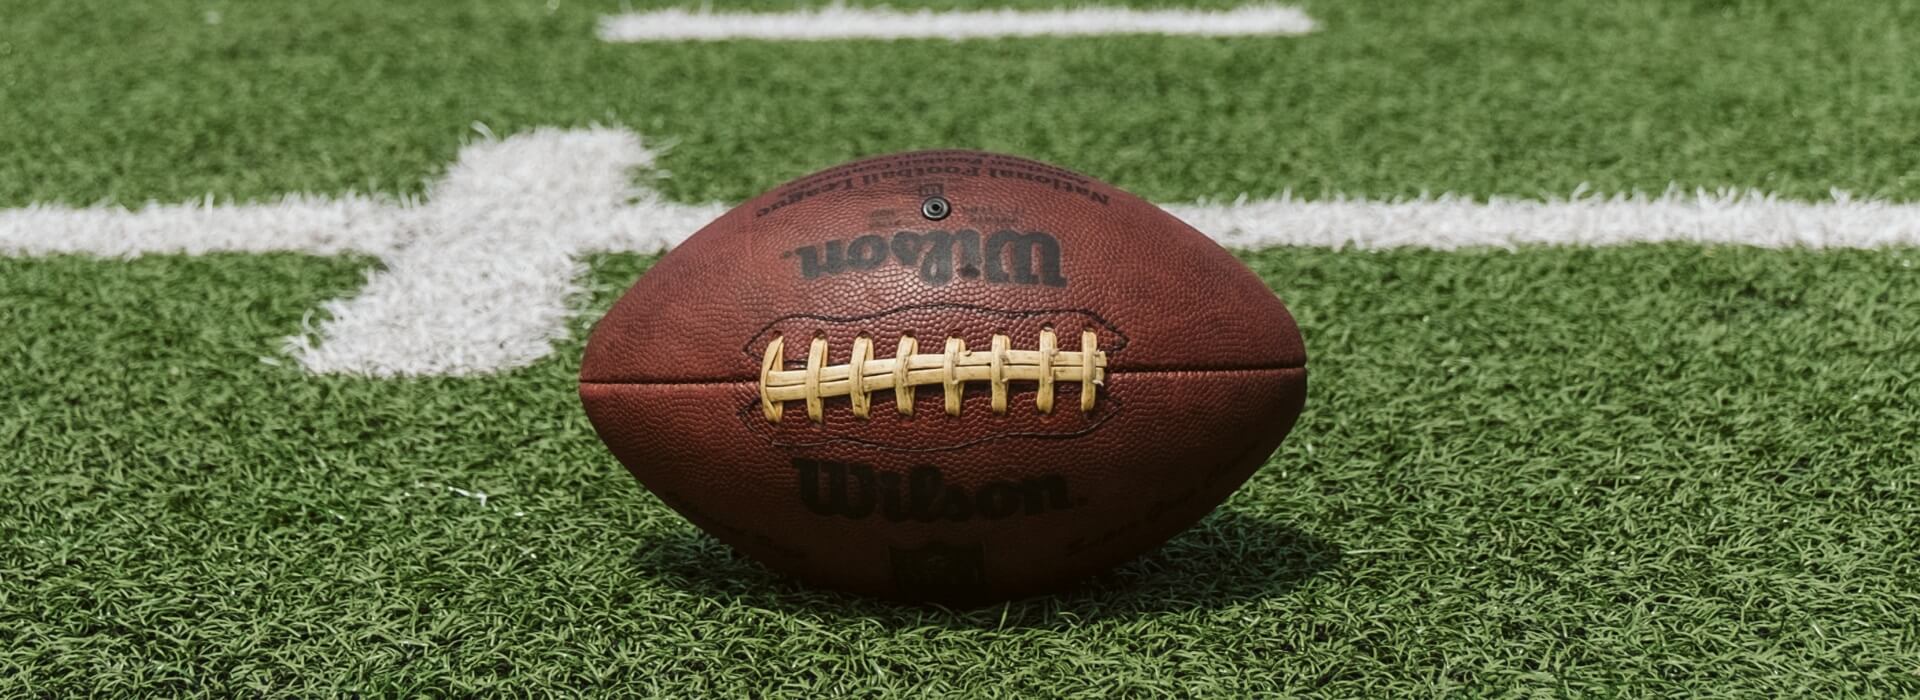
(489, 280)
(297, 223)
(1448, 222)
(481, 276)
(841, 22)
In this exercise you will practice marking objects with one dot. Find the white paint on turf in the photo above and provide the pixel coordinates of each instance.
(297, 223)
(488, 279)
(1448, 222)
(482, 274)
(842, 22)
(478, 277)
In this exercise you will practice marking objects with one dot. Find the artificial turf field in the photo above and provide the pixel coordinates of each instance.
(1642, 470)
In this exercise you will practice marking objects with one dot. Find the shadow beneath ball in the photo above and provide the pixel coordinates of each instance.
(1230, 558)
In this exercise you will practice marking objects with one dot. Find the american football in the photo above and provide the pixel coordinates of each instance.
(945, 375)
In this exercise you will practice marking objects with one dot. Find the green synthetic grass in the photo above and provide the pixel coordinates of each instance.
(131, 101)
(1650, 470)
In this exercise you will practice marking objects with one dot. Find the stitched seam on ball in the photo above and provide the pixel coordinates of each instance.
(1120, 339)
(1111, 372)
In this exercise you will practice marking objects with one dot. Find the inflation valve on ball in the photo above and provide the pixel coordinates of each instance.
(935, 208)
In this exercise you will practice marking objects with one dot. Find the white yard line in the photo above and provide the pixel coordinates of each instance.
(1448, 222)
(298, 223)
(481, 275)
(842, 22)
(489, 279)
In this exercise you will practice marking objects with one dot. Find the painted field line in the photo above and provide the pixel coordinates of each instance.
(1449, 222)
(482, 273)
(296, 223)
(841, 22)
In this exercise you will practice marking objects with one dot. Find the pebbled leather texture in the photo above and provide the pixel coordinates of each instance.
(1206, 374)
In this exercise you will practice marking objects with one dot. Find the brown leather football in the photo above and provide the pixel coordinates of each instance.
(952, 376)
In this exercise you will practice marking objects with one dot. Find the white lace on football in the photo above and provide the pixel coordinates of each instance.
(951, 368)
